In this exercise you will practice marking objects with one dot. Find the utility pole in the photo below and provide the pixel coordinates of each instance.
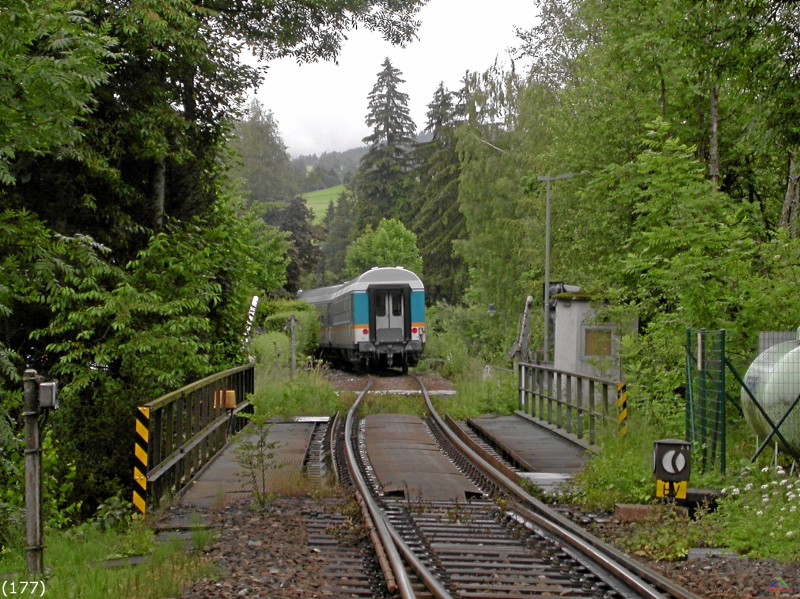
(34, 537)
(548, 181)
(292, 326)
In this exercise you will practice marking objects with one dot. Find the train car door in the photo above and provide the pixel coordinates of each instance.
(390, 315)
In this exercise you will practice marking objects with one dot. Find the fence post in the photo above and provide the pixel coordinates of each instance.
(622, 409)
(141, 459)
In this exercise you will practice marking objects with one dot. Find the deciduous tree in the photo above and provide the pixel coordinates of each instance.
(390, 244)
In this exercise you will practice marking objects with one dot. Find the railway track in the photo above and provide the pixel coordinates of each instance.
(501, 542)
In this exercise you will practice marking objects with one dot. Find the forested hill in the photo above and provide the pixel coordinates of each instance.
(343, 164)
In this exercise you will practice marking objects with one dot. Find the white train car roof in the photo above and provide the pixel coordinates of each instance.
(375, 276)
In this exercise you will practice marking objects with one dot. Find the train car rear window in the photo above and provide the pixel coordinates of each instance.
(397, 304)
(380, 303)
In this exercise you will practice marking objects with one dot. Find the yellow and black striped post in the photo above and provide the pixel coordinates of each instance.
(622, 409)
(141, 456)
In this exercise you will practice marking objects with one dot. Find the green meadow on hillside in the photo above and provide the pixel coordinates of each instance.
(318, 201)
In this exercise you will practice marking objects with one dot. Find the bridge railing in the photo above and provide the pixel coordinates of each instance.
(573, 403)
(180, 432)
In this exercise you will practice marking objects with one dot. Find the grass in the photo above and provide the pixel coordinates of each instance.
(317, 201)
(758, 514)
(477, 395)
(75, 565)
(392, 404)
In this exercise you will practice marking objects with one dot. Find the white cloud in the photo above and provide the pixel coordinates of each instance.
(322, 106)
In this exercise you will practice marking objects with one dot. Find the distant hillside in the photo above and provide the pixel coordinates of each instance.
(343, 164)
(317, 201)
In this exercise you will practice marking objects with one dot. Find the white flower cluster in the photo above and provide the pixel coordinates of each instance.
(779, 499)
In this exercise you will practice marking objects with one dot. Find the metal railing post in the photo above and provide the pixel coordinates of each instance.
(574, 411)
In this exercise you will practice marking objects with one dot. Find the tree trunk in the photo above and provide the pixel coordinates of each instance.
(713, 142)
(158, 191)
(663, 92)
(792, 197)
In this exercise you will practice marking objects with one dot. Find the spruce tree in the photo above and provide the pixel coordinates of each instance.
(382, 184)
(435, 201)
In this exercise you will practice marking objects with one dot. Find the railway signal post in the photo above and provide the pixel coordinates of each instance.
(671, 466)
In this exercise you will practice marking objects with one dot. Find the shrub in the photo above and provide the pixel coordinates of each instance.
(306, 324)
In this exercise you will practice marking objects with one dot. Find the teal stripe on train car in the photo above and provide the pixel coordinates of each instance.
(418, 306)
(361, 308)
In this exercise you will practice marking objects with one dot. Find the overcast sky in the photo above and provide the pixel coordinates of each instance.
(322, 107)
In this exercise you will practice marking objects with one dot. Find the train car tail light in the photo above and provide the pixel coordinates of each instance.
(365, 331)
(414, 331)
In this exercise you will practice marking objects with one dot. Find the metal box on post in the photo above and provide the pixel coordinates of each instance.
(671, 467)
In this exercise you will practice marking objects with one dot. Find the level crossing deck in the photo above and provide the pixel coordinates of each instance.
(406, 461)
(224, 479)
(545, 458)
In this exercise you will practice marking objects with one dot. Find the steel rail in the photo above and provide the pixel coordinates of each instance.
(626, 569)
(429, 580)
(397, 578)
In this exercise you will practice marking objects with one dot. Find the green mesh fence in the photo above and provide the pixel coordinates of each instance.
(705, 397)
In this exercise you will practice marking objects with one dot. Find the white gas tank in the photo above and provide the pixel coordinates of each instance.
(774, 379)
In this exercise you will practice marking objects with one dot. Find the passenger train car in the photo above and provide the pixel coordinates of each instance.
(378, 318)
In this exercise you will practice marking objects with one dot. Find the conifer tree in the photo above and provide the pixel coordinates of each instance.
(381, 184)
(266, 166)
(435, 201)
(338, 223)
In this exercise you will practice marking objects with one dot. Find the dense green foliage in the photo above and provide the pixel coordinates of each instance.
(128, 259)
(271, 183)
(433, 202)
(53, 58)
(680, 201)
(390, 244)
(267, 173)
(276, 319)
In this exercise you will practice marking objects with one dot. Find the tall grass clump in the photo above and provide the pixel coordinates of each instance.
(481, 391)
(622, 472)
(75, 562)
(283, 394)
(392, 404)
